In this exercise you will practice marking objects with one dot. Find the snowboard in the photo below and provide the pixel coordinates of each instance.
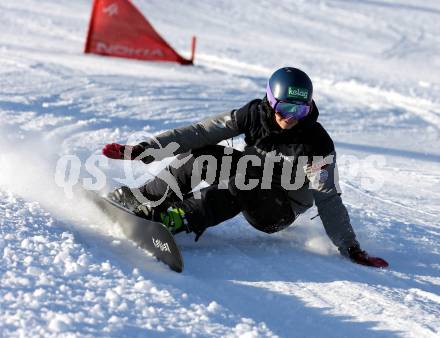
(149, 235)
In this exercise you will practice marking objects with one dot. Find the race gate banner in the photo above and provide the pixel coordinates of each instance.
(118, 28)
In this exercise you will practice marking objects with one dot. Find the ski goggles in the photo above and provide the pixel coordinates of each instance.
(291, 110)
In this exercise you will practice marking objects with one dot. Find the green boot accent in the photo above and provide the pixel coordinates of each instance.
(174, 219)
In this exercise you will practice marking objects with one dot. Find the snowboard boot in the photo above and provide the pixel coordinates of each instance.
(173, 217)
(124, 197)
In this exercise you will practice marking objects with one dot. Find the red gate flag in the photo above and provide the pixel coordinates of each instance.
(117, 28)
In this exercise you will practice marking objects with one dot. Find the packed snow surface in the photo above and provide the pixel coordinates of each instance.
(67, 270)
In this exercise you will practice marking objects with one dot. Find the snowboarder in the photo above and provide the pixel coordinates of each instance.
(281, 131)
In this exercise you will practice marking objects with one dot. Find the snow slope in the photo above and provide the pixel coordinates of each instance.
(66, 270)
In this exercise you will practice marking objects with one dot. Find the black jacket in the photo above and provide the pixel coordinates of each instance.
(307, 147)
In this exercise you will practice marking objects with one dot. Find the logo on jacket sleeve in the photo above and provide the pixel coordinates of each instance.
(322, 175)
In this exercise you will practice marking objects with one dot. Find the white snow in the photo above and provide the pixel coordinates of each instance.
(66, 270)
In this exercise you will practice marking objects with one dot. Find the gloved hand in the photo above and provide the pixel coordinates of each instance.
(361, 257)
(122, 152)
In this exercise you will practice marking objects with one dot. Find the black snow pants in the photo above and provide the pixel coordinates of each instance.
(268, 210)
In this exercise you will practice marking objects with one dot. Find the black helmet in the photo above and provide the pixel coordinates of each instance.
(289, 84)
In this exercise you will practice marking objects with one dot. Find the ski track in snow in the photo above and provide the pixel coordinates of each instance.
(68, 271)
